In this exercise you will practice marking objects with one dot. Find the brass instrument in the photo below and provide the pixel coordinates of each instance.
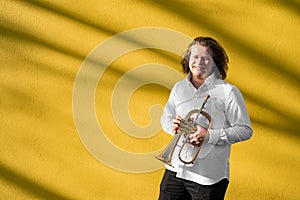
(187, 127)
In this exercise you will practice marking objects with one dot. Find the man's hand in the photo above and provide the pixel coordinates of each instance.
(199, 137)
(176, 124)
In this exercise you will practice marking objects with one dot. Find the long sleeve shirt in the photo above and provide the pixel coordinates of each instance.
(230, 124)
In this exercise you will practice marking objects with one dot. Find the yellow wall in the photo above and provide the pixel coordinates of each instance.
(43, 46)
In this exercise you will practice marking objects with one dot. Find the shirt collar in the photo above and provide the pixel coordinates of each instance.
(209, 81)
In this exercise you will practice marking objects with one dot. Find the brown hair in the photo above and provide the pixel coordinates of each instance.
(219, 55)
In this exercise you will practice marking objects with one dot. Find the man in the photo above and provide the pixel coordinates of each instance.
(205, 63)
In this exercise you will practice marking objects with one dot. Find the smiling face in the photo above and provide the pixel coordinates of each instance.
(200, 62)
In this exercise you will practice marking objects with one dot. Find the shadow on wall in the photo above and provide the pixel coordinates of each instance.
(289, 124)
(20, 33)
(29, 186)
(195, 17)
(293, 6)
(263, 59)
(188, 13)
(260, 57)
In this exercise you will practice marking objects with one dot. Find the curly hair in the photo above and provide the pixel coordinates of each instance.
(219, 55)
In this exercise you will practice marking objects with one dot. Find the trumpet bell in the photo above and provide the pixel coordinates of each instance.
(167, 155)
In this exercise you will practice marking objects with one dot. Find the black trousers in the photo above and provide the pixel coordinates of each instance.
(173, 188)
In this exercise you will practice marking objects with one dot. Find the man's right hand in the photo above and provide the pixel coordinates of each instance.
(176, 124)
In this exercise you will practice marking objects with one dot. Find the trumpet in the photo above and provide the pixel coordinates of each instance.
(187, 127)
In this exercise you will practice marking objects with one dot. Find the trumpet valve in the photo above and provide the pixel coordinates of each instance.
(187, 126)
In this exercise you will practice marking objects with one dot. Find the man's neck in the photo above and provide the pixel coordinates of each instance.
(197, 81)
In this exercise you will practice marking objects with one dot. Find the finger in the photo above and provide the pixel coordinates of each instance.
(193, 140)
(195, 135)
(196, 139)
(178, 117)
(191, 136)
(176, 121)
(195, 143)
(175, 125)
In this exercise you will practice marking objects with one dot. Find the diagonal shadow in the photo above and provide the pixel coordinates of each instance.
(187, 12)
(288, 125)
(97, 27)
(29, 186)
(17, 35)
(197, 18)
(260, 58)
(20, 33)
(12, 50)
(69, 15)
(292, 5)
(4, 31)
(12, 96)
(263, 103)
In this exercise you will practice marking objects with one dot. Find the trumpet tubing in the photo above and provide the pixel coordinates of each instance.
(188, 126)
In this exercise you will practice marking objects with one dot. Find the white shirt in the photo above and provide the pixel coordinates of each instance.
(230, 124)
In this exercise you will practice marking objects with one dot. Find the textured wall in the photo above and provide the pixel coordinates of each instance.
(44, 43)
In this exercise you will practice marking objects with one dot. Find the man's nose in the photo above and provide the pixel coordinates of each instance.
(200, 61)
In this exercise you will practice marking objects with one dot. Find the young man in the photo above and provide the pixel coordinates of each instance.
(205, 63)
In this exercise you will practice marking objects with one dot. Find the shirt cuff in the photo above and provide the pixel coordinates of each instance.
(213, 136)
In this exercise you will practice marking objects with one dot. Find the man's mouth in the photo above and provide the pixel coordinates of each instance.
(203, 69)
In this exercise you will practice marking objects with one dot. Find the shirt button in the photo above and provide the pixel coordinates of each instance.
(179, 172)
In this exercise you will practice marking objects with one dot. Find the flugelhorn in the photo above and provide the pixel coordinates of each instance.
(187, 126)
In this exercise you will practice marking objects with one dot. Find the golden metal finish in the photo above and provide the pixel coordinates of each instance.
(187, 127)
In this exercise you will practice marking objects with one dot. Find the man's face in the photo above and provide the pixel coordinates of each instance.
(201, 62)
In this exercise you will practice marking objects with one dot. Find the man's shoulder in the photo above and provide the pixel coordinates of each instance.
(180, 84)
(225, 85)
